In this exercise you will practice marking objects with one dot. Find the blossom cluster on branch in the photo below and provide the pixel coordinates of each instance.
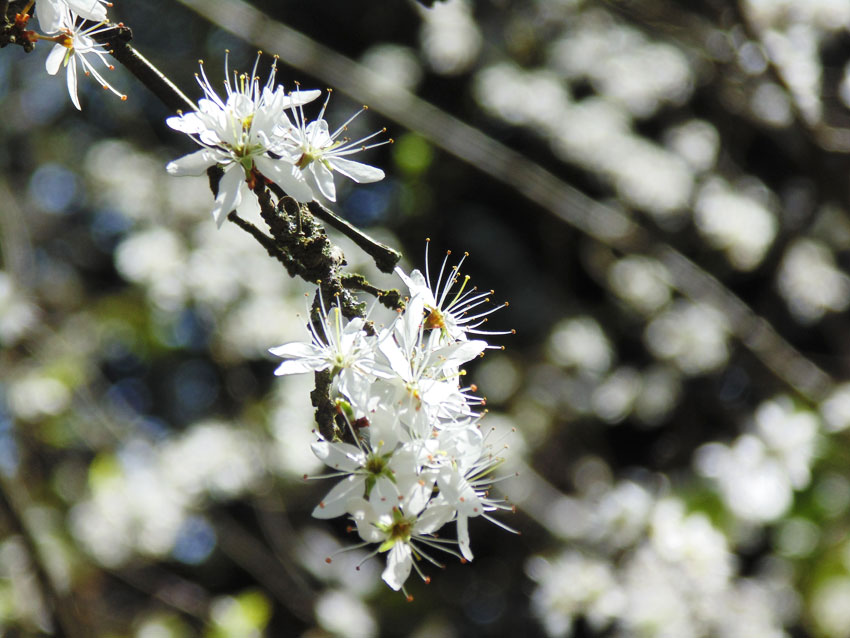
(418, 457)
(249, 135)
(404, 434)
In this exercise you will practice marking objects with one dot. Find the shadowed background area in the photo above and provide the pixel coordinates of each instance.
(658, 189)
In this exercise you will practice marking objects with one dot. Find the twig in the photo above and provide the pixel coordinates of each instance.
(65, 624)
(243, 548)
(390, 298)
(385, 257)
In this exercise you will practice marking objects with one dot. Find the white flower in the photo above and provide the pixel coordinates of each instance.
(73, 44)
(426, 373)
(402, 532)
(448, 306)
(238, 135)
(342, 348)
(51, 13)
(317, 152)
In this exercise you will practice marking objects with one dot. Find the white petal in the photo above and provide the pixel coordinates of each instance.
(335, 502)
(71, 78)
(249, 208)
(364, 516)
(318, 134)
(228, 193)
(324, 179)
(297, 98)
(192, 164)
(287, 176)
(339, 456)
(417, 494)
(384, 495)
(55, 58)
(359, 172)
(399, 563)
(463, 536)
(433, 518)
(49, 15)
(88, 9)
(190, 123)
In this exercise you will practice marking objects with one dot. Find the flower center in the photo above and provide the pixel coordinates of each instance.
(435, 319)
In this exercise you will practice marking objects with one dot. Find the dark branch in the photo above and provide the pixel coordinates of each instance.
(385, 257)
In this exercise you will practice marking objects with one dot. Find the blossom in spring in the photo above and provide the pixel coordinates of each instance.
(317, 152)
(51, 13)
(342, 347)
(240, 135)
(402, 532)
(409, 453)
(75, 44)
(450, 306)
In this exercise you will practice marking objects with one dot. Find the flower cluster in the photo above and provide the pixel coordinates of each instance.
(65, 23)
(417, 458)
(249, 135)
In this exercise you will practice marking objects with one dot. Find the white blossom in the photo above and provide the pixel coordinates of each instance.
(76, 44)
(317, 153)
(238, 135)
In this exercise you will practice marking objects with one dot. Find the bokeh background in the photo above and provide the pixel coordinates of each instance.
(659, 189)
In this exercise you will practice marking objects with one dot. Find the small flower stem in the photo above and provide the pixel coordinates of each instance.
(390, 298)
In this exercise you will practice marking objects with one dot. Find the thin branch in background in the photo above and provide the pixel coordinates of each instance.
(65, 623)
(532, 181)
(242, 547)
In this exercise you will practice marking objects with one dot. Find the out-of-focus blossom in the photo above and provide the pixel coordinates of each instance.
(693, 336)
(810, 283)
(758, 473)
(582, 344)
(451, 39)
(737, 224)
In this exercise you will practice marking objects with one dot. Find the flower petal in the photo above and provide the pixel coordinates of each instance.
(72, 82)
(399, 563)
(55, 59)
(359, 172)
(287, 176)
(192, 164)
(228, 193)
(339, 456)
(324, 179)
(336, 501)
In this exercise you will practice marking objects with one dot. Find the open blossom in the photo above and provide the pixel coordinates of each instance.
(450, 306)
(238, 134)
(74, 45)
(414, 458)
(403, 532)
(317, 152)
(51, 13)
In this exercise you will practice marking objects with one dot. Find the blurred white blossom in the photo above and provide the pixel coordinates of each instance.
(810, 282)
(693, 336)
